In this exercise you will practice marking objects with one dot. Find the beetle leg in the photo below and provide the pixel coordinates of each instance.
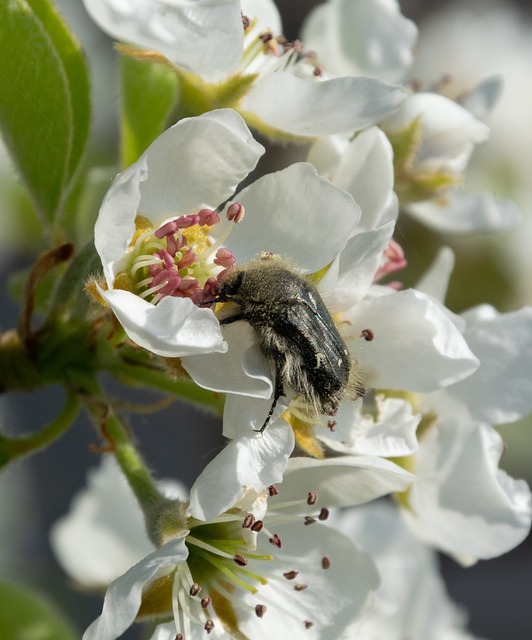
(278, 391)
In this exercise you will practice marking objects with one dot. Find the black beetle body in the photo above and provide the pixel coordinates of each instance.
(295, 331)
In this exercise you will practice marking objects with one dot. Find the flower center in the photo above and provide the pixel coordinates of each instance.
(179, 258)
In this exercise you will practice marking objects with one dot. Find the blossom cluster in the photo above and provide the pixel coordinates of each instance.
(306, 525)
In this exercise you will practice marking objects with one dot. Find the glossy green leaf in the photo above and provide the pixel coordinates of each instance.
(25, 615)
(44, 100)
(149, 93)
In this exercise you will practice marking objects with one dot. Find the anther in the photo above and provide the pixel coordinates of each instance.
(260, 610)
(367, 334)
(208, 217)
(308, 624)
(249, 521)
(324, 514)
(235, 212)
(209, 625)
(331, 424)
(194, 589)
(325, 562)
(300, 587)
(290, 575)
(275, 540)
(273, 490)
(312, 497)
(180, 636)
(257, 526)
(240, 560)
(309, 520)
(206, 601)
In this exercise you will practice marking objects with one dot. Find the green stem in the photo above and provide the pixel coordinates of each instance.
(11, 448)
(120, 443)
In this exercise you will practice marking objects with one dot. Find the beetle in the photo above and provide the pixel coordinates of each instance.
(295, 331)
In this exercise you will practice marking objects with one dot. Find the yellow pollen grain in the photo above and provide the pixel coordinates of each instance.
(197, 236)
(304, 435)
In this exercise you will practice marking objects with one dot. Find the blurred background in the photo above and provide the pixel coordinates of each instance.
(465, 42)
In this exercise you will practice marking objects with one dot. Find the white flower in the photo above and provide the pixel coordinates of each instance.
(361, 37)
(251, 572)
(192, 168)
(411, 601)
(461, 502)
(275, 89)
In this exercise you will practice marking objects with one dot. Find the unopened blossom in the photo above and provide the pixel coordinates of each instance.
(249, 572)
(270, 81)
(462, 503)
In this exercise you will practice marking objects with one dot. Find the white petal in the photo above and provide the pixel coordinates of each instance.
(309, 108)
(334, 596)
(244, 414)
(462, 213)
(435, 280)
(411, 601)
(366, 172)
(482, 99)
(255, 461)
(115, 225)
(202, 36)
(104, 534)
(198, 162)
(342, 481)
(351, 274)
(501, 389)
(391, 433)
(124, 595)
(416, 346)
(361, 38)
(174, 327)
(461, 503)
(241, 369)
(297, 214)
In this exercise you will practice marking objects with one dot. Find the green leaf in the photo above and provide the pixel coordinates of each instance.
(149, 93)
(44, 100)
(27, 615)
